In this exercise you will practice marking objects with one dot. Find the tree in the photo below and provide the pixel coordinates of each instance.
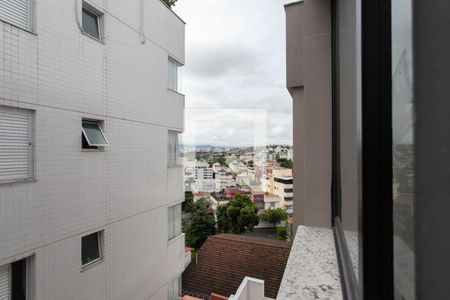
(201, 226)
(282, 233)
(274, 216)
(170, 3)
(188, 204)
(239, 215)
(285, 163)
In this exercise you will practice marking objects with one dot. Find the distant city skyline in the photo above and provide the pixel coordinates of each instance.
(235, 65)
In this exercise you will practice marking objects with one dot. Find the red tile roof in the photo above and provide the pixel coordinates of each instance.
(225, 259)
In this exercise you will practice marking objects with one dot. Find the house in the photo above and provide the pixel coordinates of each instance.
(225, 260)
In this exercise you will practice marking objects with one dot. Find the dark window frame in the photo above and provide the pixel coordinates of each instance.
(376, 230)
(99, 235)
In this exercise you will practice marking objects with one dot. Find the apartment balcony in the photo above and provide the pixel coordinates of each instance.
(176, 255)
(187, 256)
(288, 195)
(176, 105)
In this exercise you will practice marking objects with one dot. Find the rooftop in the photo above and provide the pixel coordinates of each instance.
(225, 259)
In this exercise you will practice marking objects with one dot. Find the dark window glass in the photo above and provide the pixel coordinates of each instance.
(90, 248)
(288, 190)
(90, 24)
(19, 280)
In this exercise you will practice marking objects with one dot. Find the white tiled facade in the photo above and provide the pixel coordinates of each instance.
(64, 75)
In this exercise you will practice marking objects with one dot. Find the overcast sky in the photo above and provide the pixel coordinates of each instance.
(234, 77)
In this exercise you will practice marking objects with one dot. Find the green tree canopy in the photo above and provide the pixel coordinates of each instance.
(188, 204)
(274, 216)
(170, 3)
(201, 226)
(285, 163)
(239, 215)
(282, 233)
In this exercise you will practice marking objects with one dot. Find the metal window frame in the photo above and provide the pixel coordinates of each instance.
(99, 235)
(375, 206)
(101, 131)
(99, 14)
(177, 162)
(177, 65)
(31, 148)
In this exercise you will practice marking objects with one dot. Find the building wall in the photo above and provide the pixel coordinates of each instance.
(64, 76)
(308, 45)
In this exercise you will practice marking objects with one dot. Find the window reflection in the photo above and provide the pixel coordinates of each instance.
(403, 151)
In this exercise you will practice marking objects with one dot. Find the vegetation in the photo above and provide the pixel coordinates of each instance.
(285, 163)
(274, 216)
(188, 205)
(239, 215)
(170, 3)
(219, 159)
(201, 226)
(282, 233)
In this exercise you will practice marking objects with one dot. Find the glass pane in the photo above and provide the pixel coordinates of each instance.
(403, 150)
(170, 225)
(94, 135)
(177, 220)
(90, 24)
(349, 99)
(89, 248)
(174, 75)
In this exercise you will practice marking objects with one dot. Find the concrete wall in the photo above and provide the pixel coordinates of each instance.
(308, 29)
(64, 76)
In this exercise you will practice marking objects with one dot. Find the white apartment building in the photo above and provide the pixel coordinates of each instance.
(206, 186)
(90, 186)
(271, 201)
(224, 180)
(199, 170)
(280, 183)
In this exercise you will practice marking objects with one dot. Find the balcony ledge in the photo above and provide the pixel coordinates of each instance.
(312, 271)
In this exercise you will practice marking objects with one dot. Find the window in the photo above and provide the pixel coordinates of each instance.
(174, 79)
(91, 21)
(403, 150)
(93, 135)
(174, 221)
(173, 149)
(16, 280)
(16, 144)
(174, 289)
(17, 12)
(91, 248)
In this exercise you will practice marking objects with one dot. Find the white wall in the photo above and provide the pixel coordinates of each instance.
(65, 76)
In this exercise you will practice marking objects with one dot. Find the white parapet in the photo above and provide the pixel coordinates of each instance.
(250, 289)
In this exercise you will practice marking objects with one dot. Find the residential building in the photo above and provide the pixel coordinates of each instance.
(205, 185)
(258, 198)
(272, 201)
(223, 180)
(199, 170)
(90, 181)
(279, 182)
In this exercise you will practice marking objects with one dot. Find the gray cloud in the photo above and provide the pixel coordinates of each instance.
(235, 63)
